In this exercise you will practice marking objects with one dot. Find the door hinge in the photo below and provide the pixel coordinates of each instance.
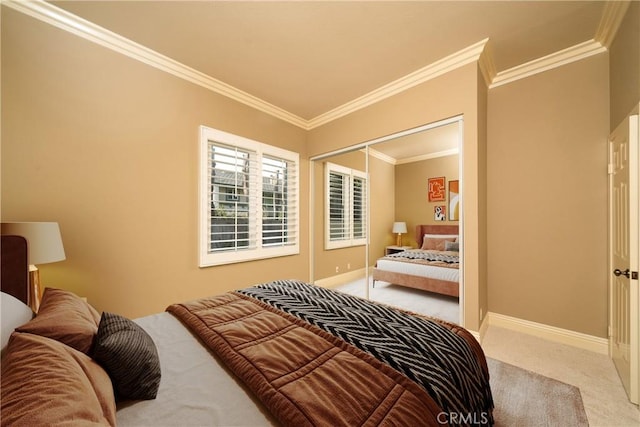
(634, 275)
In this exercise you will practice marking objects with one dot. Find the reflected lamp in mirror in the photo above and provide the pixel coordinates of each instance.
(44, 244)
(399, 228)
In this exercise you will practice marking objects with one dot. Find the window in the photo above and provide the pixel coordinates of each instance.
(248, 199)
(346, 207)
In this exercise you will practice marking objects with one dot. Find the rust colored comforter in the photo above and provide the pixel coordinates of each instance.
(304, 375)
(315, 356)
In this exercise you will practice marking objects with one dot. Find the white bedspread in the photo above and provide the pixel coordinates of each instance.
(415, 269)
(195, 389)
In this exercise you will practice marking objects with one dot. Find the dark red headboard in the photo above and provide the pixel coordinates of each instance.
(423, 229)
(15, 267)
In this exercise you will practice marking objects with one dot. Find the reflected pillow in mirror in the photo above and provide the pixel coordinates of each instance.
(436, 244)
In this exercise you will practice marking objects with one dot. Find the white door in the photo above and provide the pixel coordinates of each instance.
(623, 253)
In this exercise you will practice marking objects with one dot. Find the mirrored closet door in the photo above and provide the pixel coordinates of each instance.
(390, 179)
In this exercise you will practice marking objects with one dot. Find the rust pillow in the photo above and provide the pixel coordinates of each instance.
(434, 244)
(65, 317)
(45, 382)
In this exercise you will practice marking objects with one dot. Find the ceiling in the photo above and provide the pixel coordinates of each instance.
(309, 57)
(434, 142)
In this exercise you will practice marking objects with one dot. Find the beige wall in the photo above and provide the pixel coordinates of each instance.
(481, 207)
(412, 198)
(547, 197)
(108, 147)
(624, 67)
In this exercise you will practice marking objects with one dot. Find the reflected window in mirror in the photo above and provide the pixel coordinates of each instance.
(345, 207)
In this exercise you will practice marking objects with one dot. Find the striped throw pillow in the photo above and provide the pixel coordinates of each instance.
(129, 356)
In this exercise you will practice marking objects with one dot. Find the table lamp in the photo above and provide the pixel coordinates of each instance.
(44, 245)
(399, 228)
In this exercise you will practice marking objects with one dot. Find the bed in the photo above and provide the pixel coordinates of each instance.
(433, 267)
(279, 353)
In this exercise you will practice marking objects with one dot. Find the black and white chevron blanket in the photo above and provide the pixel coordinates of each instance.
(448, 257)
(424, 350)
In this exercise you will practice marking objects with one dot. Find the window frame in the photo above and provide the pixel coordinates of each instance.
(350, 240)
(207, 258)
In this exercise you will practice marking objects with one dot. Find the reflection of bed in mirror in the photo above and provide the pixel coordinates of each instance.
(433, 267)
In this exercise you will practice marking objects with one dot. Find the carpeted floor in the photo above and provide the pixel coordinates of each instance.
(605, 402)
(421, 302)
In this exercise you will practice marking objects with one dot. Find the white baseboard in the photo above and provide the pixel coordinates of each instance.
(551, 333)
(479, 335)
(341, 279)
(484, 324)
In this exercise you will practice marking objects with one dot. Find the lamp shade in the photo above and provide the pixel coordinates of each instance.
(399, 227)
(43, 240)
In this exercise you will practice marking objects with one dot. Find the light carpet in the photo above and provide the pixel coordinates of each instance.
(427, 303)
(524, 398)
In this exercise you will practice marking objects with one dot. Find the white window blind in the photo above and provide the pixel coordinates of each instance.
(345, 215)
(338, 206)
(248, 199)
(232, 197)
(279, 202)
(359, 208)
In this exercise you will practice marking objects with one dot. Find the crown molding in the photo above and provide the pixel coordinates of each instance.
(393, 161)
(381, 156)
(60, 18)
(554, 60)
(431, 71)
(486, 64)
(479, 52)
(436, 155)
(71, 23)
(612, 17)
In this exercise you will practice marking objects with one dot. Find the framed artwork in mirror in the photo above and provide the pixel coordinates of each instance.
(437, 189)
(454, 201)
